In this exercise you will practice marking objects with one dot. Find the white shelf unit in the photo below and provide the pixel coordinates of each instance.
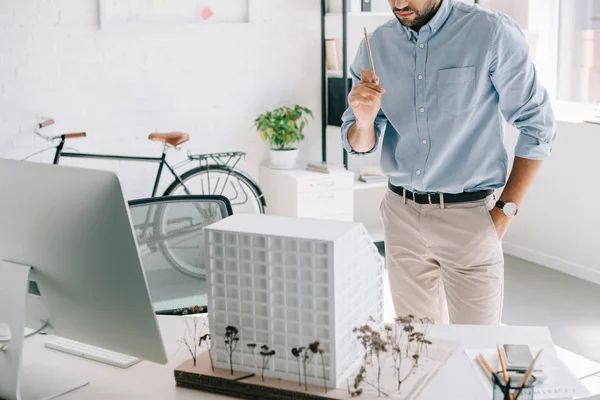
(286, 282)
(337, 196)
(305, 194)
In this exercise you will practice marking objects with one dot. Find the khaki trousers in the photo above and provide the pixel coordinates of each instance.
(446, 262)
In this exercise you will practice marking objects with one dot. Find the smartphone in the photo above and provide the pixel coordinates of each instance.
(518, 356)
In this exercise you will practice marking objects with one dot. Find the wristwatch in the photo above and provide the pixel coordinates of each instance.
(509, 209)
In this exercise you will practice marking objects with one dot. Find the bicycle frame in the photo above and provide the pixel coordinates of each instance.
(160, 160)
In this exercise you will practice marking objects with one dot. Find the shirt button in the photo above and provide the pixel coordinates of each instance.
(418, 172)
(422, 109)
(420, 77)
(424, 141)
(421, 45)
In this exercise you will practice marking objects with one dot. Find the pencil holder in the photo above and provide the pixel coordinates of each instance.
(512, 391)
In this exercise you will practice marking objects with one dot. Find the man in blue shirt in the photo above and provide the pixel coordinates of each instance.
(447, 76)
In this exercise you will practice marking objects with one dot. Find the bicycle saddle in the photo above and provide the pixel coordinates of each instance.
(172, 138)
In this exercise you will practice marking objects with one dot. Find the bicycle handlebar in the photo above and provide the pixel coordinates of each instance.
(74, 135)
(46, 123)
(49, 122)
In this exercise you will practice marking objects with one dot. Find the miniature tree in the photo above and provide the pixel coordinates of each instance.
(426, 325)
(416, 359)
(306, 357)
(189, 339)
(231, 342)
(297, 352)
(360, 376)
(252, 347)
(321, 352)
(206, 339)
(266, 354)
(375, 345)
(314, 348)
(405, 343)
(418, 338)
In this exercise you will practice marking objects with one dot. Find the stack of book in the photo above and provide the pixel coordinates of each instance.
(372, 175)
(325, 168)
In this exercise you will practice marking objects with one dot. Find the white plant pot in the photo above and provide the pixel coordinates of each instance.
(283, 159)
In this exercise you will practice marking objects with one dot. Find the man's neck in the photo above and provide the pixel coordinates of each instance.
(429, 16)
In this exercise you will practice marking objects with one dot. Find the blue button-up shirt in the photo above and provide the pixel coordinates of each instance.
(449, 88)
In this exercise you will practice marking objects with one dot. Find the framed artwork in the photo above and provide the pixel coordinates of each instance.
(171, 12)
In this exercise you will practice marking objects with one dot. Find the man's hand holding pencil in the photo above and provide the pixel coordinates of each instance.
(365, 98)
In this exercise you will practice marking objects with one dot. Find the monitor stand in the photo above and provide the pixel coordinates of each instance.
(18, 382)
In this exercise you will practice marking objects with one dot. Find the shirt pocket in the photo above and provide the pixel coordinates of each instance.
(456, 90)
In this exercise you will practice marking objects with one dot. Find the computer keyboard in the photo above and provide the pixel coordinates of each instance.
(91, 352)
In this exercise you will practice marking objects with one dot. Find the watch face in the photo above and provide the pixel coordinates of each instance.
(510, 209)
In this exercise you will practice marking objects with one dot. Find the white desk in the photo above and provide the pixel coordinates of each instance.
(456, 379)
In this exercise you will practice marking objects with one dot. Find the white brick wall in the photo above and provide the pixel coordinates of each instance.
(118, 86)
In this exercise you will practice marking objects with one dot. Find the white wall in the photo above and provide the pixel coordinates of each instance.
(210, 81)
(559, 221)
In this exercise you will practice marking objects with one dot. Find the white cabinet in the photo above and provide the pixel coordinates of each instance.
(306, 194)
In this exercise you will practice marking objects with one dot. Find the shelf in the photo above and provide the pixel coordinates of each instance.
(335, 74)
(360, 185)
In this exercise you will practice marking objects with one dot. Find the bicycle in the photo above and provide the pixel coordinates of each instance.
(217, 173)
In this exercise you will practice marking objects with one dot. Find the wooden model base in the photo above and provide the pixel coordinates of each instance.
(248, 386)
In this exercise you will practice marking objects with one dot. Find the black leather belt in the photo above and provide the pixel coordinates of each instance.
(434, 198)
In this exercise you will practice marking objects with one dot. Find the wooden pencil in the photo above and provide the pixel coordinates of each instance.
(527, 375)
(487, 366)
(483, 367)
(502, 365)
(369, 50)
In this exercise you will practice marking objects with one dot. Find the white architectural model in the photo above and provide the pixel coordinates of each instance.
(287, 282)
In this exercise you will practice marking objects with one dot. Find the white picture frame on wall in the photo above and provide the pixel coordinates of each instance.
(171, 13)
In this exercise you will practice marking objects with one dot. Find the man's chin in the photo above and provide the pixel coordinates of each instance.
(406, 22)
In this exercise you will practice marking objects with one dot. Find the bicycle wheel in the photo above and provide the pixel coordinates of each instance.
(181, 233)
(243, 193)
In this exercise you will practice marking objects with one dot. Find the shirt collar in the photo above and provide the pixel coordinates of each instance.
(436, 22)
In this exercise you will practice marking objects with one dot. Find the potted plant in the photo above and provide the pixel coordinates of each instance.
(282, 127)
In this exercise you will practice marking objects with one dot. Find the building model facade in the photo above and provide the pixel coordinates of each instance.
(286, 282)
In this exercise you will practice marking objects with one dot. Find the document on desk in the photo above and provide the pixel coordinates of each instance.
(560, 382)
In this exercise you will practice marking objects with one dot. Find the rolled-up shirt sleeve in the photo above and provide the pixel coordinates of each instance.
(348, 118)
(524, 103)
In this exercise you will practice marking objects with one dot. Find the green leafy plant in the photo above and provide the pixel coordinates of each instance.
(283, 126)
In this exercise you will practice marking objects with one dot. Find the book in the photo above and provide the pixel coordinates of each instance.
(333, 54)
(373, 178)
(325, 167)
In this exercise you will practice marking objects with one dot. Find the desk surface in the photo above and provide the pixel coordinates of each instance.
(145, 380)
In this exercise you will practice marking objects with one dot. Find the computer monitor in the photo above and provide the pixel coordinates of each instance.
(68, 257)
